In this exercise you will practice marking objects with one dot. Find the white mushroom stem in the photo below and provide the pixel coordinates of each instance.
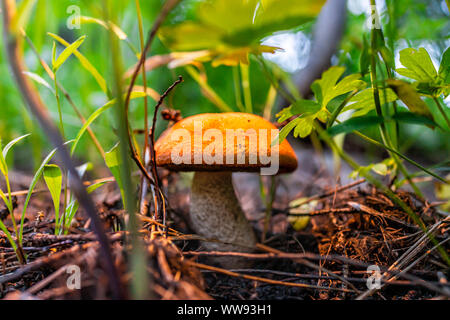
(215, 213)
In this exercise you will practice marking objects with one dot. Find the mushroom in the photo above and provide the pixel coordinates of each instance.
(214, 145)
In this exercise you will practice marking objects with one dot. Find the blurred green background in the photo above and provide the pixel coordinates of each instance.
(412, 23)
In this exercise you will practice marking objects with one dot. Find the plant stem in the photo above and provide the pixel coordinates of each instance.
(441, 109)
(245, 73)
(376, 95)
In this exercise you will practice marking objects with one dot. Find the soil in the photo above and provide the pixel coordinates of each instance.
(352, 227)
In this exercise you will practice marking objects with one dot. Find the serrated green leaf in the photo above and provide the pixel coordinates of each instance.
(237, 23)
(363, 101)
(284, 132)
(53, 180)
(84, 62)
(304, 127)
(418, 65)
(330, 88)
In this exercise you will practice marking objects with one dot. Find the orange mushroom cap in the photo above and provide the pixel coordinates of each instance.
(256, 148)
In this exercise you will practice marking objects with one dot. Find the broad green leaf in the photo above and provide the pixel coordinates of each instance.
(363, 101)
(418, 65)
(237, 23)
(412, 118)
(97, 113)
(67, 52)
(22, 16)
(85, 63)
(410, 97)
(53, 180)
(39, 80)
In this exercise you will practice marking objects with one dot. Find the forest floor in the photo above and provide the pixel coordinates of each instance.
(353, 228)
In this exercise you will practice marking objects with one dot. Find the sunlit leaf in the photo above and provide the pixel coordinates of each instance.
(113, 161)
(84, 62)
(418, 65)
(53, 180)
(67, 52)
(225, 26)
(363, 101)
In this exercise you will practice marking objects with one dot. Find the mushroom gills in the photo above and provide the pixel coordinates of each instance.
(215, 213)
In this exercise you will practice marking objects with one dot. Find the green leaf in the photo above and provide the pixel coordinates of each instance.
(12, 144)
(85, 63)
(35, 180)
(363, 101)
(39, 80)
(22, 16)
(418, 65)
(410, 97)
(444, 69)
(114, 162)
(97, 113)
(237, 23)
(53, 180)
(412, 118)
(286, 130)
(67, 52)
(330, 88)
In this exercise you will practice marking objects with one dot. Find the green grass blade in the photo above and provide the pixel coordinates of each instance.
(68, 52)
(12, 143)
(85, 63)
(97, 113)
